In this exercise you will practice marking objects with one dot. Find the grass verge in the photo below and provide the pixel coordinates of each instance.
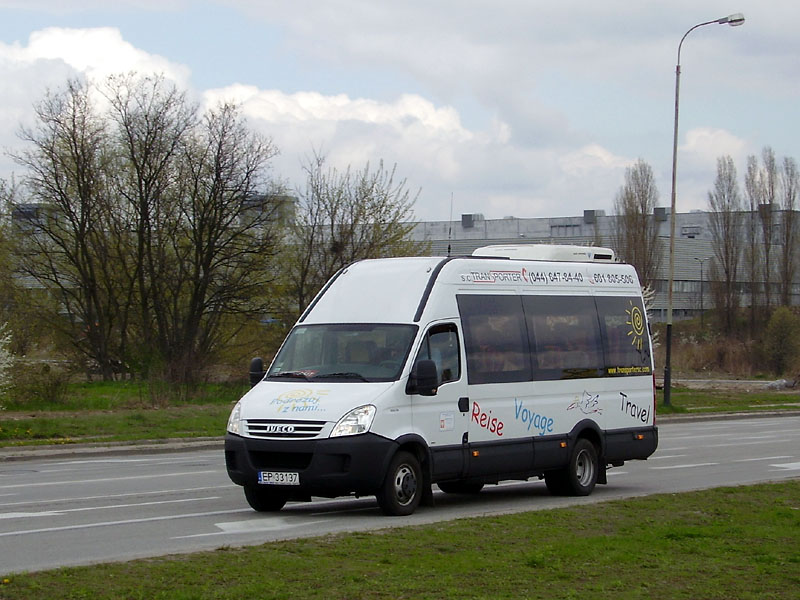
(741, 542)
(118, 411)
(685, 400)
(122, 411)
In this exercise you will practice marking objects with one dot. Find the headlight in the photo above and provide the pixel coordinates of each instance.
(358, 420)
(234, 421)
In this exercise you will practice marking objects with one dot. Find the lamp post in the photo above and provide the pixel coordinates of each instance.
(702, 311)
(733, 20)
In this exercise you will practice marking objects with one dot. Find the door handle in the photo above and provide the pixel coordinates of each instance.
(463, 404)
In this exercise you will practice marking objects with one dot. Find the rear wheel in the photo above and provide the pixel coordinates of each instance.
(401, 491)
(579, 477)
(264, 499)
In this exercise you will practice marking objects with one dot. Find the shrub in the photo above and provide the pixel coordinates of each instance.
(6, 359)
(781, 344)
(37, 384)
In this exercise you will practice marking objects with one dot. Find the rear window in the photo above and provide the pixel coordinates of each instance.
(626, 339)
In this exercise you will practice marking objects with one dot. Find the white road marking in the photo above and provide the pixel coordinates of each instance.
(124, 522)
(22, 515)
(772, 441)
(660, 457)
(256, 526)
(788, 466)
(104, 479)
(761, 458)
(108, 496)
(708, 464)
(46, 513)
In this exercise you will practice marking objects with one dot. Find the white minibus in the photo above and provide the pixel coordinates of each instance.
(513, 363)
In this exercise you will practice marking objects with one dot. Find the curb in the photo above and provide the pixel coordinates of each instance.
(15, 453)
(725, 416)
(61, 451)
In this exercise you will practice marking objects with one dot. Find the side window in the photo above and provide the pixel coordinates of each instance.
(565, 335)
(627, 340)
(495, 338)
(441, 346)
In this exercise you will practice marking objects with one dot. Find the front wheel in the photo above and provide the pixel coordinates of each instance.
(400, 493)
(264, 499)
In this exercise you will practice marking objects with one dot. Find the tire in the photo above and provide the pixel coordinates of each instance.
(401, 491)
(579, 477)
(263, 499)
(460, 487)
(556, 483)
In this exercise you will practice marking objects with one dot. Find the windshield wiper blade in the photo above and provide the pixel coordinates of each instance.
(290, 375)
(345, 375)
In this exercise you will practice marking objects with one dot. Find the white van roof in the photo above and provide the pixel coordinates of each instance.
(552, 252)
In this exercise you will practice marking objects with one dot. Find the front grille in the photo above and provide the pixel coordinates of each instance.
(283, 430)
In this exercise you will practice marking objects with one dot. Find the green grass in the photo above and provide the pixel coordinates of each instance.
(685, 400)
(103, 411)
(187, 421)
(50, 395)
(125, 411)
(741, 542)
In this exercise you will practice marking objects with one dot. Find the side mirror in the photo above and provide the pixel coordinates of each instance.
(424, 378)
(256, 370)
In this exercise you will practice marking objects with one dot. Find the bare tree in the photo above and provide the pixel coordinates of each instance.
(768, 183)
(219, 259)
(635, 229)
(343, 217)
(725, 213)
(752, 254)
(152, 121)
(153, 225)
(790, 182)
(66, 241)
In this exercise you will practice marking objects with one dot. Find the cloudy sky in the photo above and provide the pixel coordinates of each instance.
(511, 107)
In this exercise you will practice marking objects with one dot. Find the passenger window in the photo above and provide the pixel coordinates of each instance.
(565, 336)
(495, 339)
(626, 336)
(441, 346)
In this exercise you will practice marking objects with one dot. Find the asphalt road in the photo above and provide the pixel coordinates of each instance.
(61, 510)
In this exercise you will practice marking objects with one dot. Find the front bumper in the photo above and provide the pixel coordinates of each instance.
(329, 467)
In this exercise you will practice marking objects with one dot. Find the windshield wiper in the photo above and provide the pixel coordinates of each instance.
(347, 375)
(290, 375)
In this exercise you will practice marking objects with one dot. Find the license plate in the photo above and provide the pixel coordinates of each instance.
(278, 478)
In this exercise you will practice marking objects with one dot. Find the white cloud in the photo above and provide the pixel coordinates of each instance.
(411, 131)
(705, 144)
(697, 164)
(515, 107)
(97, 53)
(52, 56)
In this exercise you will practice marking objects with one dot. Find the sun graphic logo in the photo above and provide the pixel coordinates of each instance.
(636, 322)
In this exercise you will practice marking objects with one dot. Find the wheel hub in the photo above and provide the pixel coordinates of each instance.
(405, 485)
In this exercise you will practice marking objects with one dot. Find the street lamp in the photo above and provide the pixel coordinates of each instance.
(733, 20)
(702, 311)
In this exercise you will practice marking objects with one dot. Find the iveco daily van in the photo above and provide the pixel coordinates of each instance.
(516, 362)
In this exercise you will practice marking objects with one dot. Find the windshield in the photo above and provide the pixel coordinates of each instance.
(344, 352)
